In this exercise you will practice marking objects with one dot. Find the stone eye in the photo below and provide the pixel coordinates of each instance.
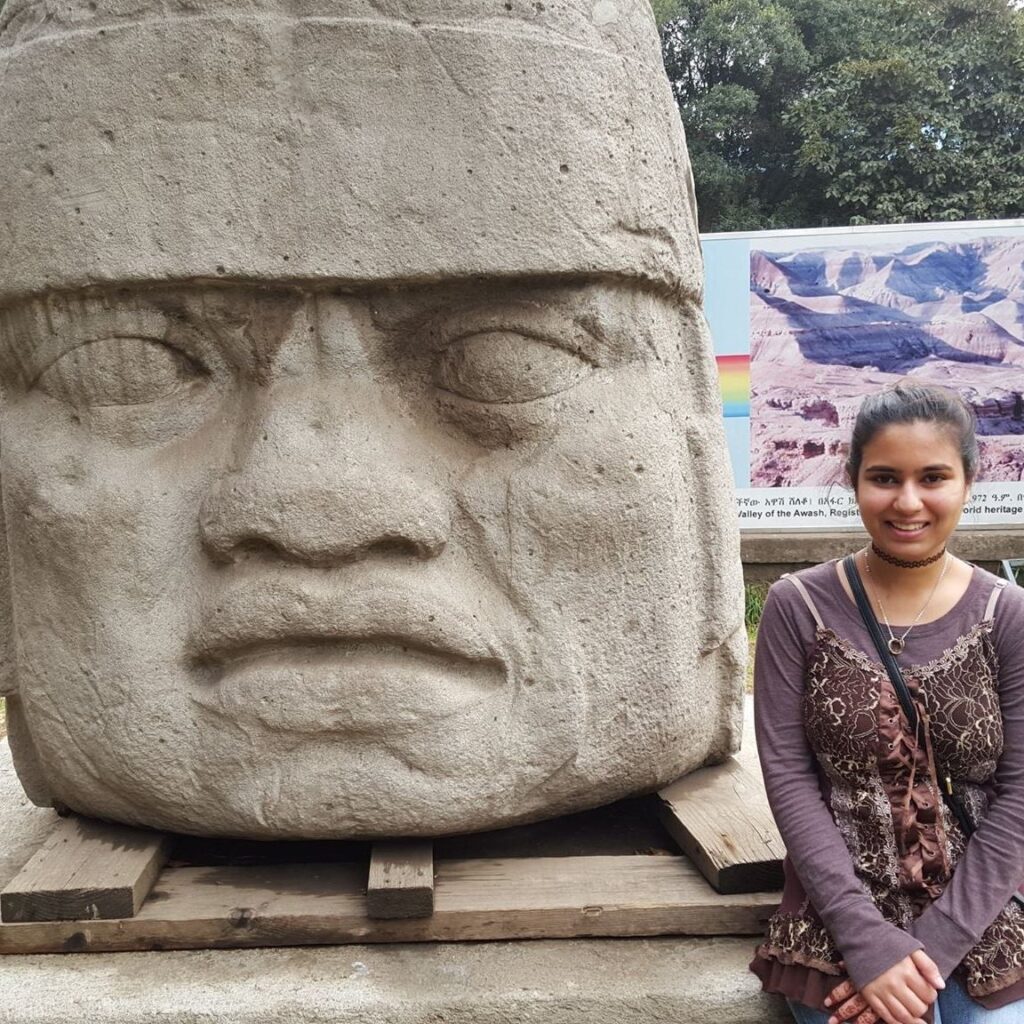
(119, 371)
(506, 367)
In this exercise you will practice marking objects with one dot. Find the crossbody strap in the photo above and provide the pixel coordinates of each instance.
(952, 801)
(899, 684)
(888, 659)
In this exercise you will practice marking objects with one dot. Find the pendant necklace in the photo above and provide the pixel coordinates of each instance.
(897, 643)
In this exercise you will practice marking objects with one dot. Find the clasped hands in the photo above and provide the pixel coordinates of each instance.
(900, 995)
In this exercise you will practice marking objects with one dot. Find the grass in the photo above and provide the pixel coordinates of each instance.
(754, 595)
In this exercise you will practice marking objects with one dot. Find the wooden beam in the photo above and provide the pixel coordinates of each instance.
(86, 870)
(720, 818)
(309, 904)
(401, 880)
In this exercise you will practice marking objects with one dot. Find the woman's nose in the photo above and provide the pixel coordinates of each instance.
(908, 498)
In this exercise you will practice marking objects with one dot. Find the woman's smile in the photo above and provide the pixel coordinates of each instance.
(911, 489)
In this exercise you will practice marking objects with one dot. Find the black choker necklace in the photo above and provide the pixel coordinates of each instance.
(902, 563)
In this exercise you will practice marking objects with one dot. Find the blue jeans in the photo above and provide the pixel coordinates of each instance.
(953, 1006)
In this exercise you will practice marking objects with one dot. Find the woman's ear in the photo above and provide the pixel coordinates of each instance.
(849, 478)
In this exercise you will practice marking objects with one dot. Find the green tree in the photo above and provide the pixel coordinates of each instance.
(803, 113)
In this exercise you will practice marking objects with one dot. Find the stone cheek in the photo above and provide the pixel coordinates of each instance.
(321, 552)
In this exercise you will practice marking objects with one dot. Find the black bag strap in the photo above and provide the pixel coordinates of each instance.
(888, 659)
(952, 801)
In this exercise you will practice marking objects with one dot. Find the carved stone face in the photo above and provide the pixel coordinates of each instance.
(367, 547)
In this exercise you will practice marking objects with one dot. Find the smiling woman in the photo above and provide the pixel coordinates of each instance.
(890, 906)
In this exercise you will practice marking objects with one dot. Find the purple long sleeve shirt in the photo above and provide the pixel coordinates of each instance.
(992, 866)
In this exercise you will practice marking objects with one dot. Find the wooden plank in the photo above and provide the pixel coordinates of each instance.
(309, 904)
(720, 818)
(86, 870)
(401, 880)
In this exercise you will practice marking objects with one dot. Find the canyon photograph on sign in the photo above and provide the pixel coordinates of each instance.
(828, 325)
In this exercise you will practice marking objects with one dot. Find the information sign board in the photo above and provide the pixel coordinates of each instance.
(805, 324)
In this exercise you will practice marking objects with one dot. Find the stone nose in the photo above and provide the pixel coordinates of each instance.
(329, 473)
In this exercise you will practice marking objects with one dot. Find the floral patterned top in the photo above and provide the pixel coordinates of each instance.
(877, 866)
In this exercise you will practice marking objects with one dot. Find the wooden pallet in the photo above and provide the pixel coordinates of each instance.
(720, 818)
(94, 887)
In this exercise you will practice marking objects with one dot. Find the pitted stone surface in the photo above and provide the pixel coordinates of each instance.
(360, 140)
(362, 456)
(638, 981)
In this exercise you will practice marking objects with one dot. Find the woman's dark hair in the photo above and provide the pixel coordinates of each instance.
(913, 403)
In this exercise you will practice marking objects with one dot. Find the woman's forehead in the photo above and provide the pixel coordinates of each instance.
(919, 443)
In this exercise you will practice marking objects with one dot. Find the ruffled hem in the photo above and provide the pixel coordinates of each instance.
(795, 981)
(794, 958)
(810, 986)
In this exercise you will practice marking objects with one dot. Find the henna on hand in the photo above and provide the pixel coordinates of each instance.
(850, 1006)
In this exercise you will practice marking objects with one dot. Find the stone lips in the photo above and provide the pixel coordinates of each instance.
(829, 326)
(437, 137)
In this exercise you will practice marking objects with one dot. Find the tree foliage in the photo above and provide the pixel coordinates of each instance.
(803, 113)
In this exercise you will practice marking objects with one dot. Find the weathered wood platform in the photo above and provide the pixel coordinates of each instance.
(720, 818)
(86, 870)
(284, 905)
(401, 881)
(613, 872)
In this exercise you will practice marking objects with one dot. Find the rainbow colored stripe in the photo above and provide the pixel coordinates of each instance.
(734, 380)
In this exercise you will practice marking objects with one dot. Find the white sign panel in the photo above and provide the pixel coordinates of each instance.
(805, 325)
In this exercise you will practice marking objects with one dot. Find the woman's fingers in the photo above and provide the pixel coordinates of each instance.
(929, 971)
(881, 1010)
(841, 992)
(850, 1010)
(903, 993)
(921, 987)
(905, 1008)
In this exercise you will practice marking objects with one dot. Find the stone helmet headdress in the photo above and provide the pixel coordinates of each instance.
(175, 139)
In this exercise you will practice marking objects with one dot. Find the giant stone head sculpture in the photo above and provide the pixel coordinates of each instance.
(360, 446)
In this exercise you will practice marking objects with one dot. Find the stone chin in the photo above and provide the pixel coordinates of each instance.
(339, 786)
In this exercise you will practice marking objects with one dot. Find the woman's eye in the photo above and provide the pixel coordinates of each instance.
(507, 367)
(119, 371)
